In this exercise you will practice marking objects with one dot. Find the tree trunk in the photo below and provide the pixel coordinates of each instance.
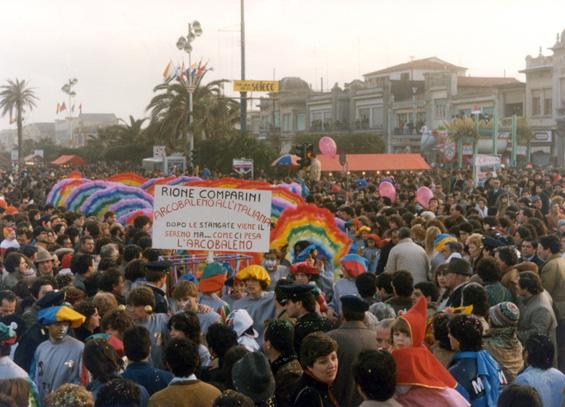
(20, 137)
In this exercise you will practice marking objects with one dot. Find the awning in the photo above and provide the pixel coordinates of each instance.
(375, 162)
(69, 160)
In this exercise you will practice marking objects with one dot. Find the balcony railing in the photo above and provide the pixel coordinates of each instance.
(335, 126)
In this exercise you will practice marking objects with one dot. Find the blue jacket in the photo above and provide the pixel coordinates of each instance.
(151, 378)
(478, 376)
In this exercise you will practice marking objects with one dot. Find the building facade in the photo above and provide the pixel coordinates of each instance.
(396, 104)
(545, 100)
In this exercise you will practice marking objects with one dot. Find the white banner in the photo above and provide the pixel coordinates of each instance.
(211, 219)
(487, 160)
(242, 166)
(159, 151)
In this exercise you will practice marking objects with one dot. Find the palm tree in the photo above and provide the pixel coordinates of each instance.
(15, 97)
(524, 135)
(213, 114)
(462, 129)
(130, 133)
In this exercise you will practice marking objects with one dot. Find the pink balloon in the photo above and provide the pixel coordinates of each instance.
(386, 189)
(423, 196)
(327, 146)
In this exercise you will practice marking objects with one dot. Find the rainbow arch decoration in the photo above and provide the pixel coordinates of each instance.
(149, 186)
(313, 224)
(61, 190)
(131, 179)
(81, 193)
(99, 202)
(125, 206)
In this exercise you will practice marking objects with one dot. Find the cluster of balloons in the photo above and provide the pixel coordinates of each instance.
(386, 188)
(423, 194)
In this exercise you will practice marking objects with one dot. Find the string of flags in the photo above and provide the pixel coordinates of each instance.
(194, 72)
(62, 107)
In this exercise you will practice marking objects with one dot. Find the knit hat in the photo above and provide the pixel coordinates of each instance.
(52, 315)
(254, 271)
(213, 278)
(7, 334)
(14, 322)
(66, 261)
(354, 264)
(240, 321)
(504, 314)
(252, 376)
(441, 240)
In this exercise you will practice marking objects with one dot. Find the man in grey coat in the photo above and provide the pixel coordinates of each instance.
(407, 255)
(536, 311)
(352, 337)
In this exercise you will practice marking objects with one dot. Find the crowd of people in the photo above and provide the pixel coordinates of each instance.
(458, 303)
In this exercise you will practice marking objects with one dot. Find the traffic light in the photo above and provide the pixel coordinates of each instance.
(304, 152)
(194, 157)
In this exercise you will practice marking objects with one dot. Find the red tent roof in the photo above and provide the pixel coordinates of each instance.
(375, 162)
(73, 160)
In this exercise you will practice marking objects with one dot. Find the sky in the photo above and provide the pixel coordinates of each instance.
(118, 49)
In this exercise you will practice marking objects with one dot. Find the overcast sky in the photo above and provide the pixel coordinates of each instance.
(118, 49)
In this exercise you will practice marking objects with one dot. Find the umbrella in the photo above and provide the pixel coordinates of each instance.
(286, 160)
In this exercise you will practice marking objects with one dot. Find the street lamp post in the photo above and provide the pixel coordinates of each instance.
(243, 104)
(68, 89)
(185, 44)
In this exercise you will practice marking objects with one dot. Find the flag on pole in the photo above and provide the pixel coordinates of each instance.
(58, 108)
(167, 71)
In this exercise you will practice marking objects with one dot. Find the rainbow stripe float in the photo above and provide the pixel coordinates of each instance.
(131, 179)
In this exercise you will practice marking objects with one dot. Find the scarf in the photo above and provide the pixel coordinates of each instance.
(487, 370)
(502, 337)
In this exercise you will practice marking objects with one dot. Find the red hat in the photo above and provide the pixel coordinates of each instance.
(376, 238)
(415, 365)
(11, 210)
(66, 261)
(304, 267)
